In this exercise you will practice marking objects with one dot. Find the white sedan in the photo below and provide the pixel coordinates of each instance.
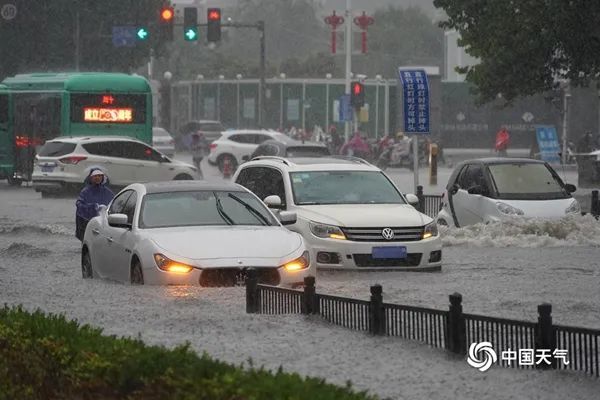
(192, 233)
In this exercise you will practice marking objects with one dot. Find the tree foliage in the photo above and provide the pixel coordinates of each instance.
(526, 46)
(42, 36)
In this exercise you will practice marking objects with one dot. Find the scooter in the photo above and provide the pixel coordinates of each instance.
(399, 154)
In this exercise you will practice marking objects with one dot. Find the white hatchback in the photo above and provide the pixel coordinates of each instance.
(238, 146)
(63, 164)
(502, 189)
(349, 212)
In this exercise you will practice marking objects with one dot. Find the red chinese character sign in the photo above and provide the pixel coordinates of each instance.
(363, 23)
(335, 21)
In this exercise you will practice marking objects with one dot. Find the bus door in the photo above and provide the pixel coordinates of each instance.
(6, 137)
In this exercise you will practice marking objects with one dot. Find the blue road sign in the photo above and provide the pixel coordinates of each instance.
(124, 36)
(547, 140)
(415, 89)
(346, 111)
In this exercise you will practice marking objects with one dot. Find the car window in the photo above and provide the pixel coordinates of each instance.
(199, 208)
(307, 151)
(474, 176)
(106, 149)
(343, 187)
(259, 138)
(56, 149)
(274, 185)
(252, 179)
(139, 151)
(129, 207)
(242, 138)
(118, 204)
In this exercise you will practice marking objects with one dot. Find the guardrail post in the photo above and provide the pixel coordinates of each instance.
(376, 311)
(457, 332)
(421, 198)
(595, 207)
(545, 340)
(309, 299)
(252, 298)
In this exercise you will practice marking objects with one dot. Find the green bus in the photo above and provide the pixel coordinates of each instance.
(43, 106)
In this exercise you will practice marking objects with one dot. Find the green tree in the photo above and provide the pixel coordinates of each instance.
(42, 36)
(526, 46)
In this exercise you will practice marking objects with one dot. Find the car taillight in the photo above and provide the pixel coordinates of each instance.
(213, 146)
(73, 160)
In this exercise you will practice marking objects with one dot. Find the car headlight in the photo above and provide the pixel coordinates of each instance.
(326, 231)
(298, 264)
(507, 209)
(430, 230)
(168, 265)
(574, 208)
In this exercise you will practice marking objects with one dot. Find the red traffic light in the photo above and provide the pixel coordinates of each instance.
(167, 14)
(357, 88)
(214, 15)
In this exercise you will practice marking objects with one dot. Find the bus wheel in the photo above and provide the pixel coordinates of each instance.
(14, 181)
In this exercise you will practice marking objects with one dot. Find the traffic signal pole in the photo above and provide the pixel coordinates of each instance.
(348, 18)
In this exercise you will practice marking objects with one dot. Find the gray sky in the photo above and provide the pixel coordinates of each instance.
(370, 5)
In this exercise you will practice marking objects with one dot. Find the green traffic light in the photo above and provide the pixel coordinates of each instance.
(142, 34)
(191, 34)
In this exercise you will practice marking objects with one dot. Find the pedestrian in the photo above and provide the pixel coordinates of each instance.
(91, 197)
(199, 149)
(502, 142)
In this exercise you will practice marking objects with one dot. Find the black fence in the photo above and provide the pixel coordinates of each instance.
(551, 346)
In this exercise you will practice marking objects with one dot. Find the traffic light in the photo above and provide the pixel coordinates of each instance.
(166, 22)
(142, 33)
(190, 23)
(357, 94)
(213, 18)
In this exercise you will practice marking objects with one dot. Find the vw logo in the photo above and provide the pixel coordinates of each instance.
(387, 233)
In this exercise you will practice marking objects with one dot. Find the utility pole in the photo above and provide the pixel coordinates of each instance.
(348, 17)
(261, 96)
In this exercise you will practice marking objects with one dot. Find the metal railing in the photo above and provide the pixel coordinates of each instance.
(449, 329)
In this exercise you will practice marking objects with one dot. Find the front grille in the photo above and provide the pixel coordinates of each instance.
(366, 260)
(237, 276)
(406, 234)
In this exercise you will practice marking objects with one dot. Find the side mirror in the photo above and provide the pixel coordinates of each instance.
(477, 189)
(570, 188)
(454, 189)
(118, 221)
(412, 199)
(273, 201)
(246, 158)
(287, 217)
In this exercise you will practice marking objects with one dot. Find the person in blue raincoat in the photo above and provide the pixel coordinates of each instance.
(90, 199)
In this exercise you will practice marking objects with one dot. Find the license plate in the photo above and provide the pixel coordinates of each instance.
(389, 252)
(48, 168)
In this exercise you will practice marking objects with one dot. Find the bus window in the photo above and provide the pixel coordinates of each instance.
(3, 108)
(108, 108)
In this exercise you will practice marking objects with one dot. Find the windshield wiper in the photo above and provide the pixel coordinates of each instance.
(222, 212)
(252, 210)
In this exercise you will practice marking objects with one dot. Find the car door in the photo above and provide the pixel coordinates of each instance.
(102, 257)
(149, 164)
(120, 242)
(467, 206)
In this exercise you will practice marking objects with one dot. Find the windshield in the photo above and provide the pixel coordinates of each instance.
(343, 187)
(199, 208)
(525, 181)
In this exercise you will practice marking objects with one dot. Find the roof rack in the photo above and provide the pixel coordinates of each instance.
(272, 158)
(351, 158)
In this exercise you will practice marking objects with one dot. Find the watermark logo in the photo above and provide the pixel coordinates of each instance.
(482, 356)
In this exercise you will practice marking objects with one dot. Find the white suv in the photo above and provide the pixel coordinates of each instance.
(239, 145)
(63, 164)
(350, 213)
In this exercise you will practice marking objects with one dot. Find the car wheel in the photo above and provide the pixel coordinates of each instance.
(137, 277)
(183, 177)
(221, 162)
(442, 222)
(87, 271)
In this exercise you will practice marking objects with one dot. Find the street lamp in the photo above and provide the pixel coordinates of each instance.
(238, 77)
(221, 77)
(282, 76)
